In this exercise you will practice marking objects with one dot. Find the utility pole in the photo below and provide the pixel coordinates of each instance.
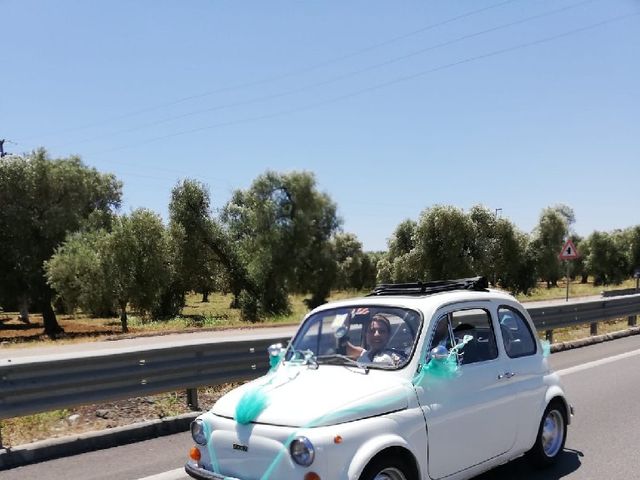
(2, 152)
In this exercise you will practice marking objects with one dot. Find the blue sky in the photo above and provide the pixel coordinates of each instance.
(394, 105)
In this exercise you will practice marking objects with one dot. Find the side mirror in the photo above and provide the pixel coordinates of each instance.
(276, 352)
(439, 353)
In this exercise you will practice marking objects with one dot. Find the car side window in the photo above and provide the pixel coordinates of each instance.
(517, 337)
(475, 322)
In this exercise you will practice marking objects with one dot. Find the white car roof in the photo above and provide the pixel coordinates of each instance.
(423, 302)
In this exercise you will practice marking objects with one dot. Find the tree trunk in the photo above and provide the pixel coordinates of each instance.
(205, 296)
(51, 327)
(235, 302)
(24, 310)
(123, 318)
(585, 279)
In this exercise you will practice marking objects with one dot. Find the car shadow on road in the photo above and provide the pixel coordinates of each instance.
(568, 462)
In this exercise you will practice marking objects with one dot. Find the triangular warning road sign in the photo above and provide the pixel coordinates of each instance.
(568, 251)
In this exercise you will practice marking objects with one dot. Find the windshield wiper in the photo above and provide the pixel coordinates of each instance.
(339, 359)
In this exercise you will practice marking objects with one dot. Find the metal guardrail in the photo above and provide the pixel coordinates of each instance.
(28, 386)
(34, 386)
(620, 291)
(592, 311)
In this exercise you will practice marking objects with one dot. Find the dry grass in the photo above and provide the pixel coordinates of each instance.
(578, 332)
(576, 289)
(197, 315)
(215, 314)
(86, 418)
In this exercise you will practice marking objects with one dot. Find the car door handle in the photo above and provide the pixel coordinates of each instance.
(506, 375)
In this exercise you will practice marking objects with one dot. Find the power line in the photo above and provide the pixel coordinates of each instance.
(381, 85)
(288, 74)
(343, 76)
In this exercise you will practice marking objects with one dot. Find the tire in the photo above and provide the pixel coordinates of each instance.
(552, 435)
(387, 468)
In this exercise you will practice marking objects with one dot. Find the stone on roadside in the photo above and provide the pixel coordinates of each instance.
(73, 418)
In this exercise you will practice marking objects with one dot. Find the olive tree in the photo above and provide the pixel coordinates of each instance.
(136, 259)
(355, 268)
(548, 238)
(348, 256)
(282, 226)
(514, 258)
(42, 200)
(128, 266)
(443, 243)
(192, 225)
(400, 261)
(447, 243)
(634, 247)
(78, 275)
(607, 260)
(198, 266)
(485, 248)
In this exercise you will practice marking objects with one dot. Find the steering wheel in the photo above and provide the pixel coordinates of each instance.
(402, 356)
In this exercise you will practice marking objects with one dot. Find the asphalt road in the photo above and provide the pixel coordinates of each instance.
(602, 381)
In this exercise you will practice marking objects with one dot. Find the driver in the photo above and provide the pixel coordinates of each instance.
(378, 335)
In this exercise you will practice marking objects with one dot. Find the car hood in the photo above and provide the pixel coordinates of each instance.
(299, 396)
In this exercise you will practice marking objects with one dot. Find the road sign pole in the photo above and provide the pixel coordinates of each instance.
(567, 279)
(567, 254)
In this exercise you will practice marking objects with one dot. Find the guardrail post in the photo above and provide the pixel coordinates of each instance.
(594, 328)
(632, 320)
(549, 336)
(192, 399)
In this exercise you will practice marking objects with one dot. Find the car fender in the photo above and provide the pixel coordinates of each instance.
(371, 448)
(555, 391)
(552, 391)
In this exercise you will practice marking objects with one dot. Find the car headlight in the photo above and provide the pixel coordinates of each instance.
(197, 432)
(302, 451)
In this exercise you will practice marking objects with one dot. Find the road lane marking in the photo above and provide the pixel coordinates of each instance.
(176, 474)
(597, 363)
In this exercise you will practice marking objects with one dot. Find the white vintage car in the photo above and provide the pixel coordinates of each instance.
(415, 381)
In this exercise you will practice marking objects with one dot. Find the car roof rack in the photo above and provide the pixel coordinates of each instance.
(428, 288)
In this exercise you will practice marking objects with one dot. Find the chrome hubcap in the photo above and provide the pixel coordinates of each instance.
(552, 433)
(390, 473)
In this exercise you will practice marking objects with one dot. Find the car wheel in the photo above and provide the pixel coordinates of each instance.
(552, 435)
(386, 468)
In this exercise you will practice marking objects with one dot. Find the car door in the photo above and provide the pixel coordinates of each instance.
(520, 349)
(470, 415)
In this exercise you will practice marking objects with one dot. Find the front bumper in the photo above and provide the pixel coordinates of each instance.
(202, 474)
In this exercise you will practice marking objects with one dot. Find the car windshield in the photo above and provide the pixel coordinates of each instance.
(378, 337)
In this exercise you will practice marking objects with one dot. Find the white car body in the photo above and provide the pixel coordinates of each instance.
(486, 414)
